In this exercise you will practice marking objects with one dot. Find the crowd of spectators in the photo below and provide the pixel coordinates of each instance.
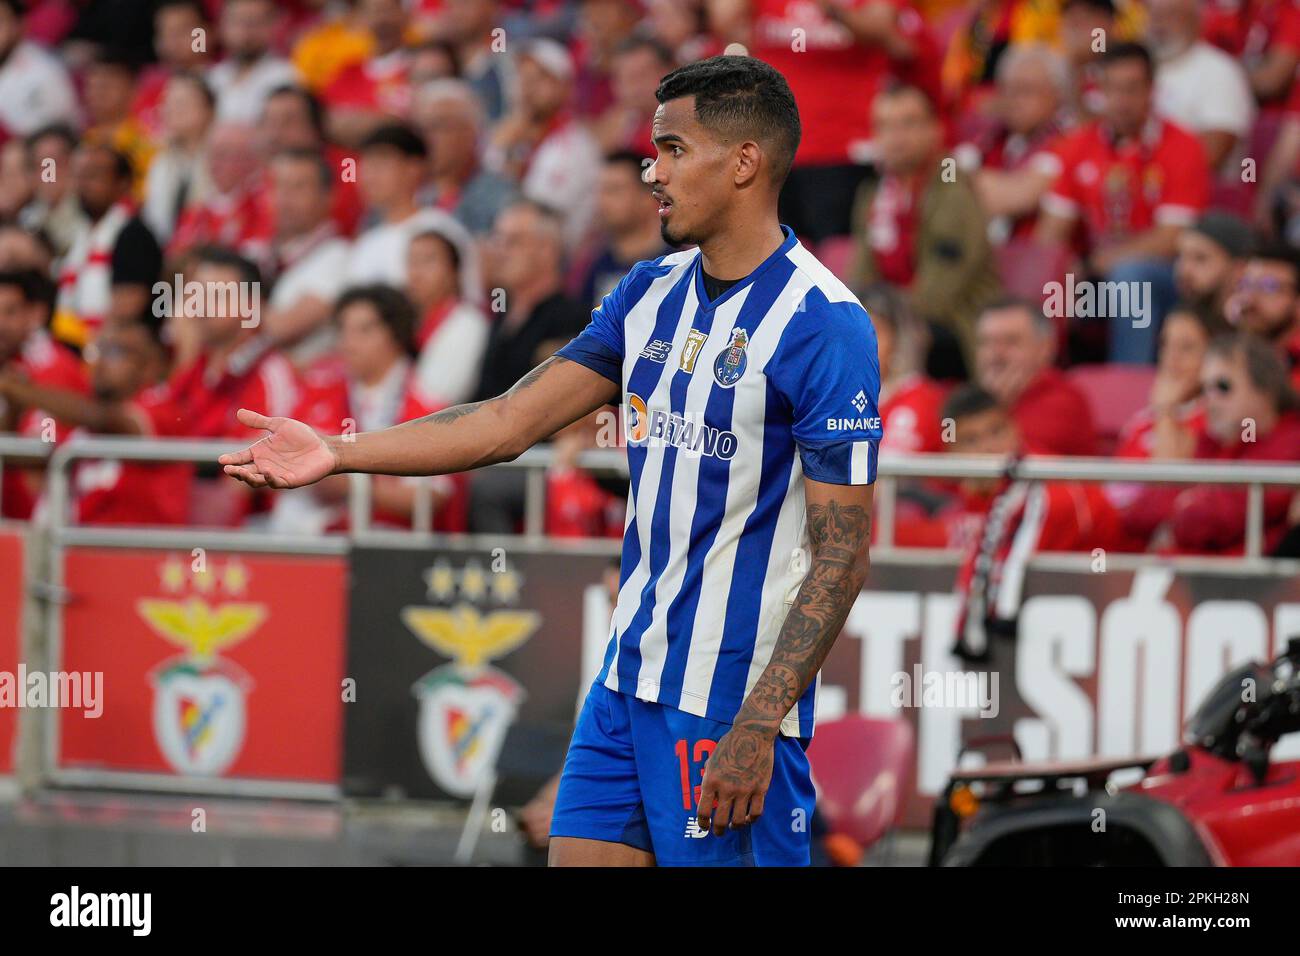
(1038, 201)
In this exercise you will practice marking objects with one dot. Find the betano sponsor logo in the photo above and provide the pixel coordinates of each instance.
(656, 428)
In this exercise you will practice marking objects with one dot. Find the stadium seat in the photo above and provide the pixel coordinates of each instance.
(835, 254)
(1115, 392)
(860, 765)
(1025, 266)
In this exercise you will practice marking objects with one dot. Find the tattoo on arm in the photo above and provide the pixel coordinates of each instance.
(838, 535)
(449, 415)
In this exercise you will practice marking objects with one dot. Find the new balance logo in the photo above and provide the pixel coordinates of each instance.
(657, 351)
(693, 831)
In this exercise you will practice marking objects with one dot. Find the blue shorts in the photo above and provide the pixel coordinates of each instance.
(633, 776)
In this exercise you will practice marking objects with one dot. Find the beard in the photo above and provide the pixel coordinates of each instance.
(675, 239)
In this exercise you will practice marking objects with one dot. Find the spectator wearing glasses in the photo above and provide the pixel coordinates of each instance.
(1266, 302)
(1251, 415)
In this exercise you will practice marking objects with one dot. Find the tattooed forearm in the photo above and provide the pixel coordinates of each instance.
(839, 535)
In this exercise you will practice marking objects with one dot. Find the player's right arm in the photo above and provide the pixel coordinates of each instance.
(555, 394)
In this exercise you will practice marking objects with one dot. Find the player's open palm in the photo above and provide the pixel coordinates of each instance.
(290, 456)
(736, 779)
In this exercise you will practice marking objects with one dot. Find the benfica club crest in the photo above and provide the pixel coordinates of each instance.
(463, 722)
(199, 712)
(467, 706)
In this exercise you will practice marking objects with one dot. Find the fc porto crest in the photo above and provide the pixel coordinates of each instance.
(731, 361)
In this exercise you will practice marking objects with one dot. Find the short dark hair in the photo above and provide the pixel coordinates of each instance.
(1013, 303)
(629, 158)
(17, 279)
(58, 130)
(1274, 250)
(393, 308)
(1121, 52)
(968, 399)
(122, 167)
(640, 41)
(397, 136)
(315, 111)
(196, 80)
(324, 172)
(743, 98)
(223, 257)
(895, 88)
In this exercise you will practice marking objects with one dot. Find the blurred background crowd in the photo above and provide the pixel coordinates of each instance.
(431, 195)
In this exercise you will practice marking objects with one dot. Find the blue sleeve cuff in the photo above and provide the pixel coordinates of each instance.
(589, 351)
(841, 463)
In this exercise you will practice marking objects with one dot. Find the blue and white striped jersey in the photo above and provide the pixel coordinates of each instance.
(727, 405)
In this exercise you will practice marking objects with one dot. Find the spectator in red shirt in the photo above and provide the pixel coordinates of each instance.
(450, 118)
(178, 176)
(578, 505)
(176, 44)
(371, 385)
(237, 213)
(837, 55)
(236, 366)
(909, 400)
(295, 120)
(1003, 522)
(1211, 255)
(602, 27)
(637, 65)
(921, 228)
(1168, 428)
(1033, 516)
(1130, 183)
(1251, 414)
(1015, 348)
(1266, 302)
(1263, 35)
(29, 354)
(377, 90)
(1080, 22)
(127, 365)
(1014, 162)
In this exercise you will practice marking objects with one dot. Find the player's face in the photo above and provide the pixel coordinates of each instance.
(692, 178)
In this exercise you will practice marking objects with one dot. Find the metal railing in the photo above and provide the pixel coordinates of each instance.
(893, 468)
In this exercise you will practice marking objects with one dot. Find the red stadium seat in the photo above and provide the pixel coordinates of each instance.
(1025, 266)
(835, 254)
(1115, 392)
(861, 768)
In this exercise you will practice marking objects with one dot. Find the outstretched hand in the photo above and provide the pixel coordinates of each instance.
(289, 456)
